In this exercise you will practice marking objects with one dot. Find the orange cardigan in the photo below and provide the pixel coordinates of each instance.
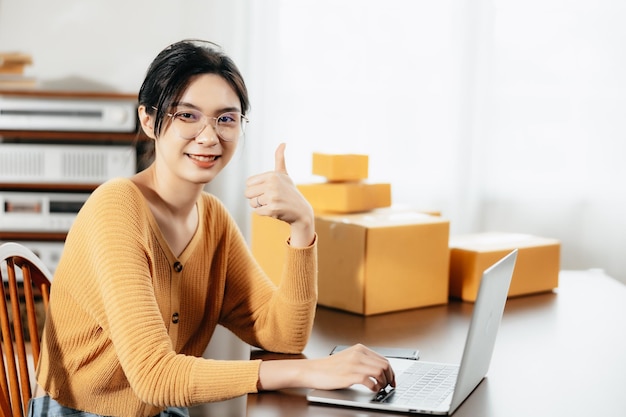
(128, 321)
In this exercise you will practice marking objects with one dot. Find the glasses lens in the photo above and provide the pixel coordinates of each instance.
(188, 123)
(229, 126)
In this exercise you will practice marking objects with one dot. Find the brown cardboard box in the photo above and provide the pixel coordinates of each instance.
(536, 269)
(346, 197)
(382, 261)
(341, 167)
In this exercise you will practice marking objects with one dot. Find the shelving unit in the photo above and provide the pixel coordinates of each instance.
(68, 138)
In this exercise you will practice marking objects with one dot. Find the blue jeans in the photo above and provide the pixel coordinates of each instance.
(47, 407)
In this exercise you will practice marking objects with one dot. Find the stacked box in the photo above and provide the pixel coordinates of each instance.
(346, 197)
(345, 189)
(372, 258)
(341, 168)
(369, 263)
(536, 269)
(382, 261)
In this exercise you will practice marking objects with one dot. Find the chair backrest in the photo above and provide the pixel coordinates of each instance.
(25, 282)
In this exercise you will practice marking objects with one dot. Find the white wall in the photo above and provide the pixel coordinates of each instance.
(112, 42)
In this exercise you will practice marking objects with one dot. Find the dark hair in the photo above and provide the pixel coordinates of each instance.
(174, 68)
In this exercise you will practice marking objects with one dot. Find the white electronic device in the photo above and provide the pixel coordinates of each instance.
(39, 211)
(68, 114)
(24, 163)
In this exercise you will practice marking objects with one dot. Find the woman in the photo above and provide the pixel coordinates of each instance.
(153, 263)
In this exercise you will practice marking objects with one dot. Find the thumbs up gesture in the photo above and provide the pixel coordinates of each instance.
(274, 194)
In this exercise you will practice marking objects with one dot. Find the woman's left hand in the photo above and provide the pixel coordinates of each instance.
(274, 194)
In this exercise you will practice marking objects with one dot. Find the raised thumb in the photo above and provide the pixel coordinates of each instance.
(279, 158)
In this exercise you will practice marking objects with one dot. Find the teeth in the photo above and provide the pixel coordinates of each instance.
(203, 158)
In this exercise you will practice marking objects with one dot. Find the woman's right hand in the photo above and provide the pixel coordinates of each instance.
(355, 365)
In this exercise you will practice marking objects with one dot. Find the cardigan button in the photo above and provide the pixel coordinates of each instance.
(178, 267)
(175, 318)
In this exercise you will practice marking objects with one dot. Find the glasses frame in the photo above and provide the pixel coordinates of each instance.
(206, 121)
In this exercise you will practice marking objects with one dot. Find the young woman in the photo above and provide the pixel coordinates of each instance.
(153, 263)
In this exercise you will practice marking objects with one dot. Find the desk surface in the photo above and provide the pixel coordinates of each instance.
(557, 354)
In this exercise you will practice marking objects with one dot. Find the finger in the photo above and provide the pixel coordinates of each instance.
(382, 375)
(374, 383)
(255, 203)
(384, 372)
(279, 158)
(390, 376)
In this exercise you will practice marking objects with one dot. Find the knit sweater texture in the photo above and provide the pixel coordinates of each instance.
(128, 321)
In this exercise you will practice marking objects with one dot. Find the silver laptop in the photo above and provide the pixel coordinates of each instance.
(439, 388)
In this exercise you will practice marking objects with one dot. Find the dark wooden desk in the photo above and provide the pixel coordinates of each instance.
(557, 354)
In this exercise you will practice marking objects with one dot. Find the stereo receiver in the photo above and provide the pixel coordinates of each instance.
(68, 164)
(39, 211)
(68, 115)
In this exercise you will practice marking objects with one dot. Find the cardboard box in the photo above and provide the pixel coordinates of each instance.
(536, 269)
(346, 197)
(382, 261)
(341, 167)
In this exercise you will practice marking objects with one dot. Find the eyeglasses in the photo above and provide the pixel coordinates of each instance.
(188, 124)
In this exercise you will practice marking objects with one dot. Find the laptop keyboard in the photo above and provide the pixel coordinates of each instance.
(425, 384)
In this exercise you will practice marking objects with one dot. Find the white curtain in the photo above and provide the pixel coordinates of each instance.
(503, 115)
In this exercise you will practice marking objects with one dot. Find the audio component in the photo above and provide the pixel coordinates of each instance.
(67, 114)
(68, 164)
(39, 211)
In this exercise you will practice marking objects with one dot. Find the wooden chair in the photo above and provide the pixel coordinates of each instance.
(17, 302)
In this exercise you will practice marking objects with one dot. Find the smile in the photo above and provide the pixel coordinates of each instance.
(203, 158)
